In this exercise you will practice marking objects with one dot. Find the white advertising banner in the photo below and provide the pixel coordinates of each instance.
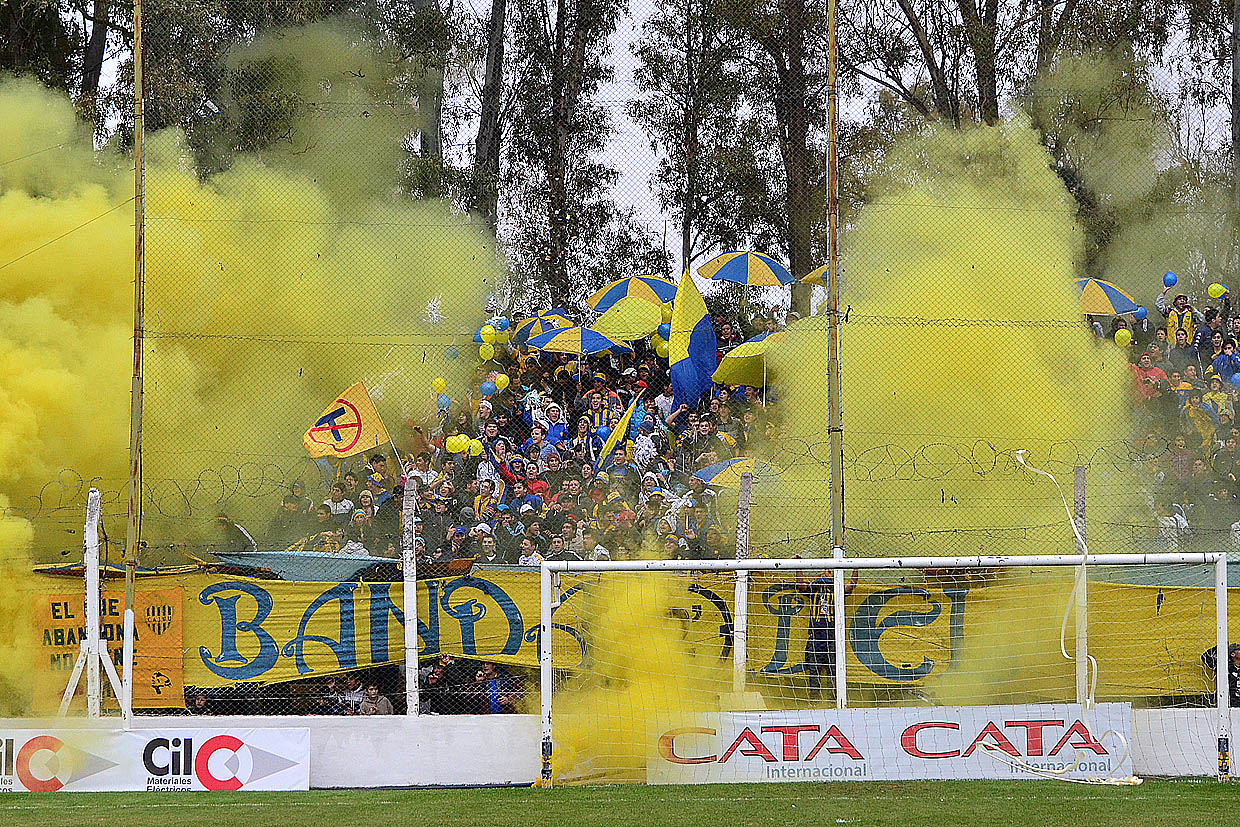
(967, 742)
(83, 760)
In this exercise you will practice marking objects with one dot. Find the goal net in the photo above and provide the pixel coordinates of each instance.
(698, 672)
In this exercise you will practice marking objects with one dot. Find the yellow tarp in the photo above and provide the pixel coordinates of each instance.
(952, 643)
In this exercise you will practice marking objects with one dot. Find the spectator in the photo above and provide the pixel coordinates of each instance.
(497, 691)
(287, 526)
(529, 554)
(1210, 659)
(373, 703)
(1226, 364)
(1180, 315)
(341, 506)
(352, 695)
(234, 539)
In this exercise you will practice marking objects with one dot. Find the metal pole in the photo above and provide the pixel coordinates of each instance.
(740, 599)
(1079, 593)
(127, 668)
(1222, 667)
(90, 566)
(840, 631)
(409, 573)
(545, 674)
(133, 531)
(835, 427)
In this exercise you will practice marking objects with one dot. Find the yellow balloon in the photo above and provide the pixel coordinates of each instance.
(487, 333)
(1215, 290)
(451, 444)
(475, 447)
(1123, 337)
(486, 351)
(502, 381)
(501, 337)
(438, 385)
(660, 347)
(667, 312)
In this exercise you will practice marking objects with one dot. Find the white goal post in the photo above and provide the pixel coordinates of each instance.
(1215, 710)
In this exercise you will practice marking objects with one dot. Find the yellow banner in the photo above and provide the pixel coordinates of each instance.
(348, 426)
(948, 643)
(157, 645)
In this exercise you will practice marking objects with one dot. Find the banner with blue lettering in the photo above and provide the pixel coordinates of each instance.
(989, 637)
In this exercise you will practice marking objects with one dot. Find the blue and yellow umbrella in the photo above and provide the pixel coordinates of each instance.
(727, 474)
(581, 341)
(745, 364)
(630, 319)
(650, 288)
(1101, 298)
(554, 319)
(753, 269)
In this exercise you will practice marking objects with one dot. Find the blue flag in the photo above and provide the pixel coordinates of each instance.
(691, 348)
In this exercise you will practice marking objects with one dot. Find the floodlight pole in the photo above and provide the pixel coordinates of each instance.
(134, 510)
(835, 428)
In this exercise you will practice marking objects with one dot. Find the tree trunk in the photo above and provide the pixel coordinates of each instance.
(945, 103)
(691, 146)
(92, 61)
(556, 263)
(980, 29)
(1235, 110)
(795, 136)
(488, 144)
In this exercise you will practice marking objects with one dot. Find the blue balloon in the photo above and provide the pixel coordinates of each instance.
(1140, 313)
(443, 402)
(499, 323)
(478, 336)
(1169, 279)
(665, 330)
(488, 388)
(450, 352)
(604, 432)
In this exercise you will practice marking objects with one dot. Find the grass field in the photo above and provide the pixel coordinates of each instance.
(907, 804)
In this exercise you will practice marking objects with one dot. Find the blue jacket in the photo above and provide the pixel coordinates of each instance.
(1226, 366)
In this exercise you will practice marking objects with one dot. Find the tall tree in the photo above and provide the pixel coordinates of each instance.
(691, 93)
(790, 77)
(560, 49)
(37, 39)
(488, 146)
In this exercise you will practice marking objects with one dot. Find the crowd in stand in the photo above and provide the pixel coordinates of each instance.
(1186, 372)
(539, 480)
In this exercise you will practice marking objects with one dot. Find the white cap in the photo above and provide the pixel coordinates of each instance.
(483, 527)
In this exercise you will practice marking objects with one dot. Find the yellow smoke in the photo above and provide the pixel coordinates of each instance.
(275, 279)
(16, 647)
(962, 346)
(643, 676)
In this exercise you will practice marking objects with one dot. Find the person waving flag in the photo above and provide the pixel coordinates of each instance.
(349, 426)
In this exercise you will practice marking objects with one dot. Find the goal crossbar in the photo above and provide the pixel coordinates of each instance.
(797, 564)
(550, 571)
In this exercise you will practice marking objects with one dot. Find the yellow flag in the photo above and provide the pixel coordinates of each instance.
(349, 426)
(618, 434)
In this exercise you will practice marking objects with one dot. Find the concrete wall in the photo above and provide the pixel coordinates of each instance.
(435, 750)
(395, 751)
